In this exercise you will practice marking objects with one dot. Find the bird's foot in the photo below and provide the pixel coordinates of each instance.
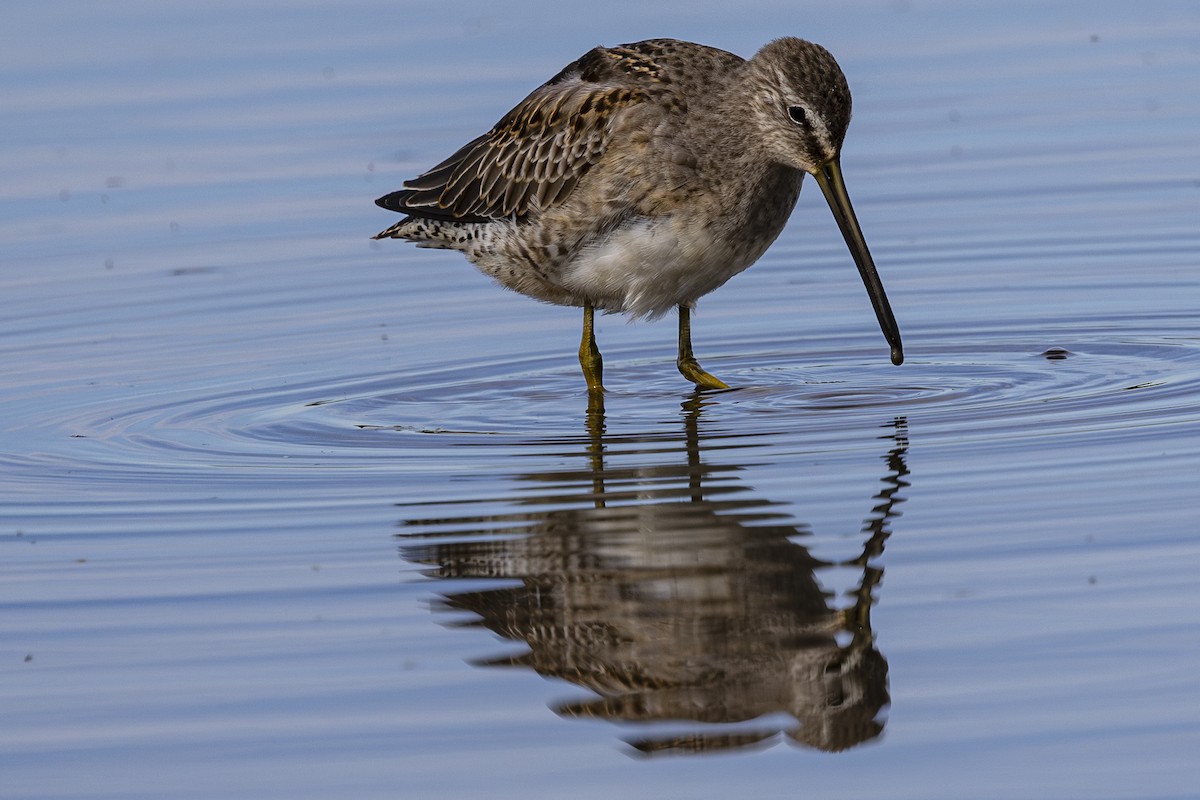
(690, 368)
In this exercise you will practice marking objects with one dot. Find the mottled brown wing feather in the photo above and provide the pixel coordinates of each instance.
(531, 159)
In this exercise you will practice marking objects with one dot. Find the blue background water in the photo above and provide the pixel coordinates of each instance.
(271, 494)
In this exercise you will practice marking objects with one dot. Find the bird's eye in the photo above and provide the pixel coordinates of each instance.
(798, 115)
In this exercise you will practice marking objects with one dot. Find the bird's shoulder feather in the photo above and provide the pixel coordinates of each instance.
(537, 153)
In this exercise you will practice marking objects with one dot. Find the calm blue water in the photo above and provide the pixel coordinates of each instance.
(285, 512)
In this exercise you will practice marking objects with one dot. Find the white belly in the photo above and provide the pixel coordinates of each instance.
(648, 267)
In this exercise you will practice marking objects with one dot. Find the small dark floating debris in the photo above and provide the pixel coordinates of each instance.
(1056, 354)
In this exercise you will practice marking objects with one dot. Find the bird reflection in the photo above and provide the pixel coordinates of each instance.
(677, 598)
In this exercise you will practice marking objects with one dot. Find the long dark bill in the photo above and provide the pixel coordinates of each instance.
(829, 176)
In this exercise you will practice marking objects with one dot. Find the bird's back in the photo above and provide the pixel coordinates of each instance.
(538, 152)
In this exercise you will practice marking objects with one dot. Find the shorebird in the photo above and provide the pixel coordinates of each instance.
(642, 177)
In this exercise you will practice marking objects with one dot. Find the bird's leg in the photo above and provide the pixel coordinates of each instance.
(688, 366)
(589, 354)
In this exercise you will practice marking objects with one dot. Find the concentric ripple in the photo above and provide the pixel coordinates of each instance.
(986, 386)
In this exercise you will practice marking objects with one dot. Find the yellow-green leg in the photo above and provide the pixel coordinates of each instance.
(589, 354)
(687, 363)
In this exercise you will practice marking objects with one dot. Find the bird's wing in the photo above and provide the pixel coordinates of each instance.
(531, 159)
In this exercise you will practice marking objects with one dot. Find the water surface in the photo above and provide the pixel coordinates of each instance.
(288, 513)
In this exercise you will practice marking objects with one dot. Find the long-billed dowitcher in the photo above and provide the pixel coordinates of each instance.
(642, 177)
